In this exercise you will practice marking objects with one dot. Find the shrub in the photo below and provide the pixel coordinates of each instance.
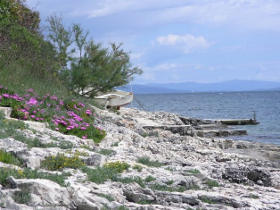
(106, 152)
(138, 168)
(2, 115)
(107, 172)
(146, 161)
(9, 158)
(212, 183)
(117, 166)
(100, 174)
(128, 180)
(30, 174)
(15, 124)
(69, 117)
(161, 187)
(22, 197)
(108, 197)
(60, 161)
(150, 179)
(193, 171)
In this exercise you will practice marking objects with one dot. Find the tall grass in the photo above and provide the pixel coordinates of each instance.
(18, 79)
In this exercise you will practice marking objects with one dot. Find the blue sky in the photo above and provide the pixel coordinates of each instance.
(183, 40)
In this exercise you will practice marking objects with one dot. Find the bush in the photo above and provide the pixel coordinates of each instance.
(160, 187)
(212, 183)
(117, 166)
(60, 161)
(22, 197)
(30, 174)
(107, 172)
(9, 158)
(138, 168)
(69, 117)
(100, 174)
(106, 152)
(146, 161)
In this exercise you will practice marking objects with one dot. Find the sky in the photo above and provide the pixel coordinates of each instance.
(183, 40)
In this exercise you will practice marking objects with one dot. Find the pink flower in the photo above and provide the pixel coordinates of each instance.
(32, 116)
(32, 101)
(83, 128)
(88, 112)
(84, 137)
(30, 90)
(5, 95)
(81, 104)
(57, 129)
(53, 98)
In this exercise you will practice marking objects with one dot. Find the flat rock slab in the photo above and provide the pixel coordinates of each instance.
(221, 133)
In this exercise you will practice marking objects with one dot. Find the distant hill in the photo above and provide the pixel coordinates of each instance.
(227, 86)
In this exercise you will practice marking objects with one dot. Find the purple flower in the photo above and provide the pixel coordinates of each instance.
(32, 101)
(84, 137)
(83, 128)
(30, 90)
(81, 104)
(53, 98)
(5, 95)
(88, 112)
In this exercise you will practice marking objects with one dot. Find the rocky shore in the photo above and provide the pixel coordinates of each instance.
(160, 168)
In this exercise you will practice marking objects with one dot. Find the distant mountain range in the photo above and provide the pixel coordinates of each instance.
(227, 86)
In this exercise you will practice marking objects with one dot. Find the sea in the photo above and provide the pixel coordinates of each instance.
(223, 105)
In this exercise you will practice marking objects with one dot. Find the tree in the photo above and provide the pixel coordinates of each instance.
(80, 38)
(61, 38)
(101, 69)
(21, 42)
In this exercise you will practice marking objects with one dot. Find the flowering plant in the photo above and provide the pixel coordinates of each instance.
(66, 116)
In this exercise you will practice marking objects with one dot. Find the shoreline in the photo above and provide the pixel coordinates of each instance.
(166, 170)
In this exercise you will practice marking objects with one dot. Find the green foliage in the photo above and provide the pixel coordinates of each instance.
(22, 197)
(118, 166)
(9, 158)
(60, 161)
(161, 187)
(123, 208)
(128, 180)
(211, 183)
(116, 144)
(254, 196)
(101, 69)
(146, 161)
(2, 115)
(108, 197)
(170, 182)
(109, 171)
(145, 202)
(138, 168)
(206, 199)
(106, 152)
(100, 174)
(193, 171)
(15, 124)
(150, 179)
(61, 38)
(30, 174)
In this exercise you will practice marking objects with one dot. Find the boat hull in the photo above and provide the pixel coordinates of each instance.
(114, 99)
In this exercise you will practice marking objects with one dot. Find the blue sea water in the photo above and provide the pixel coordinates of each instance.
(221, 106)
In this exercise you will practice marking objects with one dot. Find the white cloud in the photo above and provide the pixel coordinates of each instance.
(256, 14)
(185, 42)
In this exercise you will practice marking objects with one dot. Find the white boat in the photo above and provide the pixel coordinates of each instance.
(116, 98)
